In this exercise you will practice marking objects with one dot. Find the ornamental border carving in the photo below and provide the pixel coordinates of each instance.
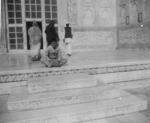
(90, 70)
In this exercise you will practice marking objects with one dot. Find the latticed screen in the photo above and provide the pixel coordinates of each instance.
(51, 11)
(33, 9)
(15, 38)
(14, 11)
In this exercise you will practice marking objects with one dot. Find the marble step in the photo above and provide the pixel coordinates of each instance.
(124, 76)
(95, 121)
(50, 99)
(132, 84)
(60, 82)
(78, 112)
(129, 118)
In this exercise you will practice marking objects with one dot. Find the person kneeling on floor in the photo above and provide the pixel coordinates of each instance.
(53, 56)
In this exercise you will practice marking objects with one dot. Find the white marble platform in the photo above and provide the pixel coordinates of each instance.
(60, 82)
(15, 69)
(25, 101)
(126, 80)
(78, 112)
(20, 63)
(124, 76)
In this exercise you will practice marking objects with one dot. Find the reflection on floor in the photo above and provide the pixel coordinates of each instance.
(22, 61)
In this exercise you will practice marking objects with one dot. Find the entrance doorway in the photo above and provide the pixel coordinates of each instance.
(28, 25)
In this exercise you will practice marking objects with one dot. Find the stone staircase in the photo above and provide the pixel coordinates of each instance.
(72, 98)
(126, 80)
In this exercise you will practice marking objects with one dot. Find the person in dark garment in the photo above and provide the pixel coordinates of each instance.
(51, 33)
(68, 39)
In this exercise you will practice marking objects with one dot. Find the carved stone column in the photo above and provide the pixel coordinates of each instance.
(72, 12)
(3, 28)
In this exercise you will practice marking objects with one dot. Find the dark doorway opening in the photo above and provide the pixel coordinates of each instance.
(28, 25)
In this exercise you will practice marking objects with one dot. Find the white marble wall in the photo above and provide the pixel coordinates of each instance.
(94, 39)
(97, 13)
(133, 8)
(93, 23)
(134, 37)
(134, 24)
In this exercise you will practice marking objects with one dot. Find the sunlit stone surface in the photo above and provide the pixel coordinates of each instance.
(80, 112)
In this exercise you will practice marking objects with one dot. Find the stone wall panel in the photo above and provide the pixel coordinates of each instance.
(134, 38)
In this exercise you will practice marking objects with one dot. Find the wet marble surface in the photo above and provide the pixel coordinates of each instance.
(23, 62)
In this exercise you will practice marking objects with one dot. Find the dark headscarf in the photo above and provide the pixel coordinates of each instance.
(52, 23)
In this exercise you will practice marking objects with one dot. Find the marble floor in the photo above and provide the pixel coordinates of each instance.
(99, 57)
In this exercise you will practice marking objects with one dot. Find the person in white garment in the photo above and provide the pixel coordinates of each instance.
(68, 39)
(35, 35)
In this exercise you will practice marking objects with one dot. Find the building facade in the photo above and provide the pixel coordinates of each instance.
(97, 24)
(18, 16)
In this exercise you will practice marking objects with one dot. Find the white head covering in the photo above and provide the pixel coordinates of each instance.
(66, 22)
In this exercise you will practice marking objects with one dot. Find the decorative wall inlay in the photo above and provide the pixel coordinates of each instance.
(88, 7)
(94, 38)
(105, 12)
(94, 29)
(134, 11)
(146, 9)
(72, 11)
(122, 12)
(94, 47)
(136, 35)
(88, 115)
(94, 16)
(105, 16)
(133, 26)
(132, 8)
(66, 100)
(97, 13)
(105, 3)
(88, 2)
(88, 16)
(101, 37)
